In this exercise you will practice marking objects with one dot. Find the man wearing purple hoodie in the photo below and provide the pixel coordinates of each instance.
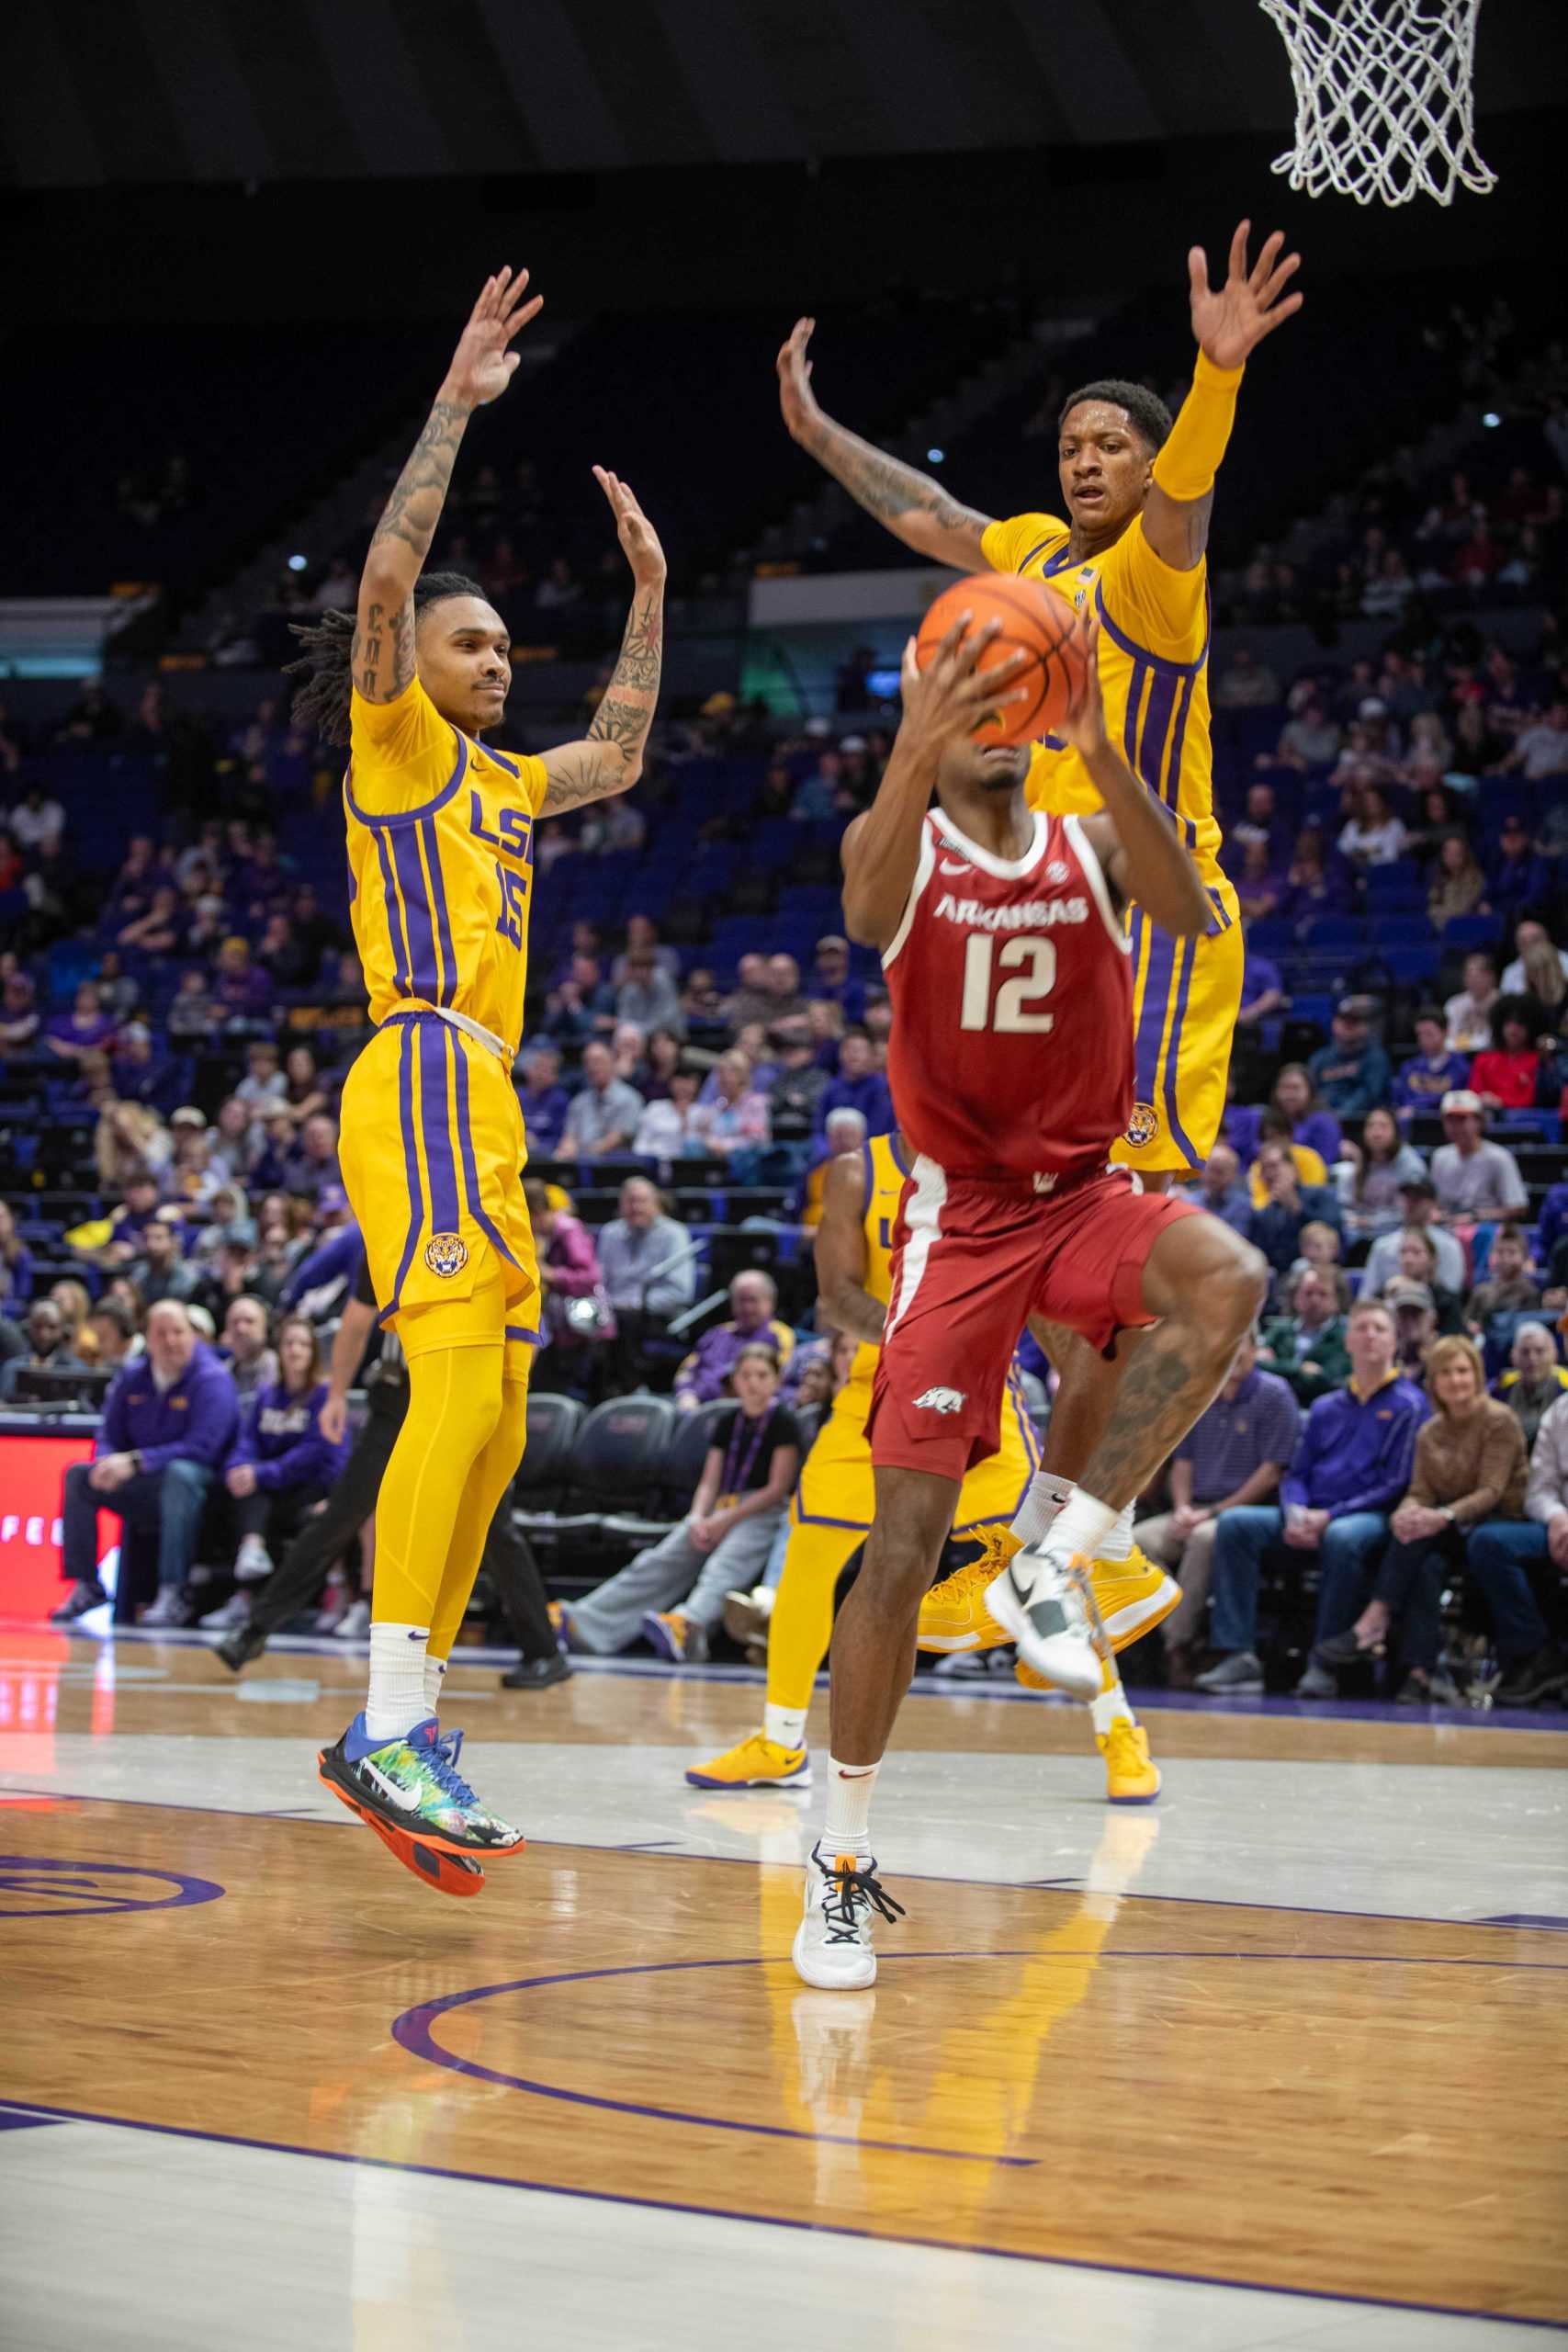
(169, 1419)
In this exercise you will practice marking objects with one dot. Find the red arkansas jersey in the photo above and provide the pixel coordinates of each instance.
(1011, 1052)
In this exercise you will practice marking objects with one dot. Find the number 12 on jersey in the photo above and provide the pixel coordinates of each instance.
(1011, 1016)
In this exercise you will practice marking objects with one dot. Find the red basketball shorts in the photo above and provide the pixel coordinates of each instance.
(971, 1262)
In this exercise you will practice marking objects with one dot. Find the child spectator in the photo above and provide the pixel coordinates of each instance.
(1433, 1070)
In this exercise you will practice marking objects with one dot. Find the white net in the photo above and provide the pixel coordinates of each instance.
(1383, 100)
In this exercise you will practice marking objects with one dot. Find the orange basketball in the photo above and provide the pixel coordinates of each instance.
(1035, 620)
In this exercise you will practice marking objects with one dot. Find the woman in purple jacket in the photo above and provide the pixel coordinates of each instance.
(281, 1465)
(575, 1316)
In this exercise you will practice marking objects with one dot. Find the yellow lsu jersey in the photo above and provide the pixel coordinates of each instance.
(836, 1488)
(441, 864)
(1154, 676)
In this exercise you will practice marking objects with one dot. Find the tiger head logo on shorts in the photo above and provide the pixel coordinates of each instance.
(1143, 1124)
(446, 1254)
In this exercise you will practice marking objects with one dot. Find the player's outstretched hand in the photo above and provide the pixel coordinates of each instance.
(1249, 305)
(482, 366)
(948, 699)
(796, 398)
(638, 539)
(1083, 722)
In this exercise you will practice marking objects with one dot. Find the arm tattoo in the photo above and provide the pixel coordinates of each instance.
(413, 509)
(885, 487)
(611, 758)
(377, 637)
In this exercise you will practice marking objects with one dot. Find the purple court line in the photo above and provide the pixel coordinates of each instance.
(754, 1862)
(774, 2220)
(992, 1692)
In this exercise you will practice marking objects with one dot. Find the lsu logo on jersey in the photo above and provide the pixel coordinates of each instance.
(446, 1254)
(942, 1400)
(1143, 1124)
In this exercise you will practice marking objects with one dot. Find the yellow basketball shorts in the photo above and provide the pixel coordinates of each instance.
(432, 1152)
(1186, 996)
(837, 1489)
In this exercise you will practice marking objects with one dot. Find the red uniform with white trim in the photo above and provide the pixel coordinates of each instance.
(1012, 1068)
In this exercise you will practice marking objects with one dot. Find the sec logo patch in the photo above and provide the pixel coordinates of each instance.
(1143, 1124)
(446, 1254)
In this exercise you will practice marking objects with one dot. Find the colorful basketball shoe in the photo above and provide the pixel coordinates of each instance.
(455, 1874)
(412, 1785)
(757, 1763)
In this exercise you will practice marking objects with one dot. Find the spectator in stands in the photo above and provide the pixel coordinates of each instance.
(1469, 1013)
(603, 1117)
(228, 1149)
(648, 1261)
(1369, 1174)
(252, 1363)
(1314, 884)
(85, 1029)
(37, 821)
(1221, 1191)
(628, 1049)
(1509, 1075)
(642, 932)
(574, 1311)
(1504, 1557)
(674, 1126)
(785, 1001)
(115, 1334)
(193, 1013)
(19, 1018)
(158, 928)
(1310, 1124)
(49, 1348)
(673, 1593)
(831, 979)
(16, 1264)
(1418, 1267)
(1519, 877)
(312, 1167)
(1474, 1179)
(1530, 938)
(129, 1222)
(648, 995)
(1433, 1070)
(1414, 1307)
(751, 999)
(1232, 1456)
(140, 1074)
(1534, 1380)
(799, 1083)
(1289, 1204)
(1246, 683)
(1469, 1465)
(738, 1119)
(163, 1271)
(1545, 993)
(1351, 1469)
(1352, 1073)
(543, 1099)
(281, 1464)
(583, 1006)
(1309, 738)
(1418, 1199)
(1307, 1345)
(1458, 885)
(305, 1094)
(1373, 835)
(169, 1419)
(1262, 987)
(1510, 1288)
(241, 990)
(859, 1086)
(282, 956)
(664, 1058)
(753, 1298)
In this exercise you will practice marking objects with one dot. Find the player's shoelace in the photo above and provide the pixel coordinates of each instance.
(848, 1896)
(441, 1758)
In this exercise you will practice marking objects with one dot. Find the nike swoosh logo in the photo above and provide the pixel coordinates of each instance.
(949, 867)
(406, 1800)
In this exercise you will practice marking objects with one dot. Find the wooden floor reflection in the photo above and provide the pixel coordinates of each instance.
(1353, 2105)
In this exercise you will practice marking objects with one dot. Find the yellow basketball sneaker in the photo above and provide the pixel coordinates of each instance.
(757, 1763)
(1133, 1597)
(1130, 1777)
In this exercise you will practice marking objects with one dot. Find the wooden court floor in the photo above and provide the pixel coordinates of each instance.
(1356, 2105)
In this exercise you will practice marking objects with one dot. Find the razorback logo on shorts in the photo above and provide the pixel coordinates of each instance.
(942, 1400)
(1143, 1124)
(446, 1254)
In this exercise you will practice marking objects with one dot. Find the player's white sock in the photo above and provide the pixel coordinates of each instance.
(1044, 1498)
(1083, 1525)
(435, 1676)
(1118, 1544)
(786, 1726)
(848, 1827)
(1111, 1705)
(397, 1680)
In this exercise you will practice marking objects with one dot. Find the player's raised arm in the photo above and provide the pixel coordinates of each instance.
(942, 702)
(913, 507)
(481, 368)
(1228, 325)
(609, 760)
(844, 1301)
(1135, 841)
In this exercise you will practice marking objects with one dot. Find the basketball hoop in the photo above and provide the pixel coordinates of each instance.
(1384, 97)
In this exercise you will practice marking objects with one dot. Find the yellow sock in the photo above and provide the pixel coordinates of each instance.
(802, 1623)
(488, 1481)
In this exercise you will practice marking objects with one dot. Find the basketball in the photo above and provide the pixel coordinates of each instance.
(1035, 620)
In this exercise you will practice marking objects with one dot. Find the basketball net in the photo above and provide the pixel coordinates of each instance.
(1383, 98)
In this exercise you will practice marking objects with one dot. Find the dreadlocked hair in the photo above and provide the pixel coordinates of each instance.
(1148, 410)
(325, 668)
